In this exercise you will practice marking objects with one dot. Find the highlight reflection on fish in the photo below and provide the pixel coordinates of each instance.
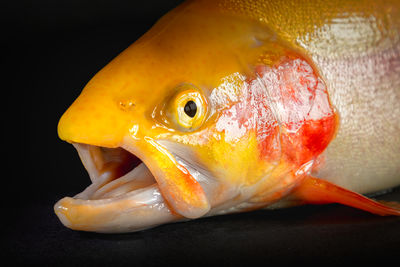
(227, 106)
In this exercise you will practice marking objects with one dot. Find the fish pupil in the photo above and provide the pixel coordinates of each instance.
(190, 108)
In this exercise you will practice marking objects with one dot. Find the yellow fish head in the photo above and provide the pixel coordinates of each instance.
(179, 125)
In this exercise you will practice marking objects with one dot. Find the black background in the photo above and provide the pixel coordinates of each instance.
(50, 50)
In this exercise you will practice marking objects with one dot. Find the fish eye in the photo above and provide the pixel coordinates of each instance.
(189, 108)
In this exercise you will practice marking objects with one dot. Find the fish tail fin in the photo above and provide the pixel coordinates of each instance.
(317, 191)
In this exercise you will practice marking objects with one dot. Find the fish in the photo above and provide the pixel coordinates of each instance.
(228, 106)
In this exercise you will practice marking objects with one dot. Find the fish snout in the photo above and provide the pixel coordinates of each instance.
(97, 118)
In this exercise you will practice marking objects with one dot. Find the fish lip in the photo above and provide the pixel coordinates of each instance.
(114, 215)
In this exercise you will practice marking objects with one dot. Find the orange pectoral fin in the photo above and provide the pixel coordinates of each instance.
(316, 191)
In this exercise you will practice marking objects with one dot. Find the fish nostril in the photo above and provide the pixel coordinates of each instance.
(126, 105)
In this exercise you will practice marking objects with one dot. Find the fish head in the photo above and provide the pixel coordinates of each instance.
(180, 125)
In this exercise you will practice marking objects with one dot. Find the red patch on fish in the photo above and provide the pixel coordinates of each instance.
(299, 102)
(288, 107)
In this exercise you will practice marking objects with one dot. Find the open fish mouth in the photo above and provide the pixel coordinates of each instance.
(114, 173)
(124, 195)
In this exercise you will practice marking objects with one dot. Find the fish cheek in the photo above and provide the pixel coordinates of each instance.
(243, 145)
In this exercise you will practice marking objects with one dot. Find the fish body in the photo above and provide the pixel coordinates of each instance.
(229, 106)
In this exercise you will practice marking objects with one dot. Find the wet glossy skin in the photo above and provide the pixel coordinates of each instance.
(355, 47)
(264, 112)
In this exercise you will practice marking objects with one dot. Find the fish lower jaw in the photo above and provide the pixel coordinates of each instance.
(128, 199)
(120, 198)
(133, 211)
(112, 204)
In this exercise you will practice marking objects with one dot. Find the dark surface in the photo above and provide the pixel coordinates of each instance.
(331, 234)
(52, 49)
